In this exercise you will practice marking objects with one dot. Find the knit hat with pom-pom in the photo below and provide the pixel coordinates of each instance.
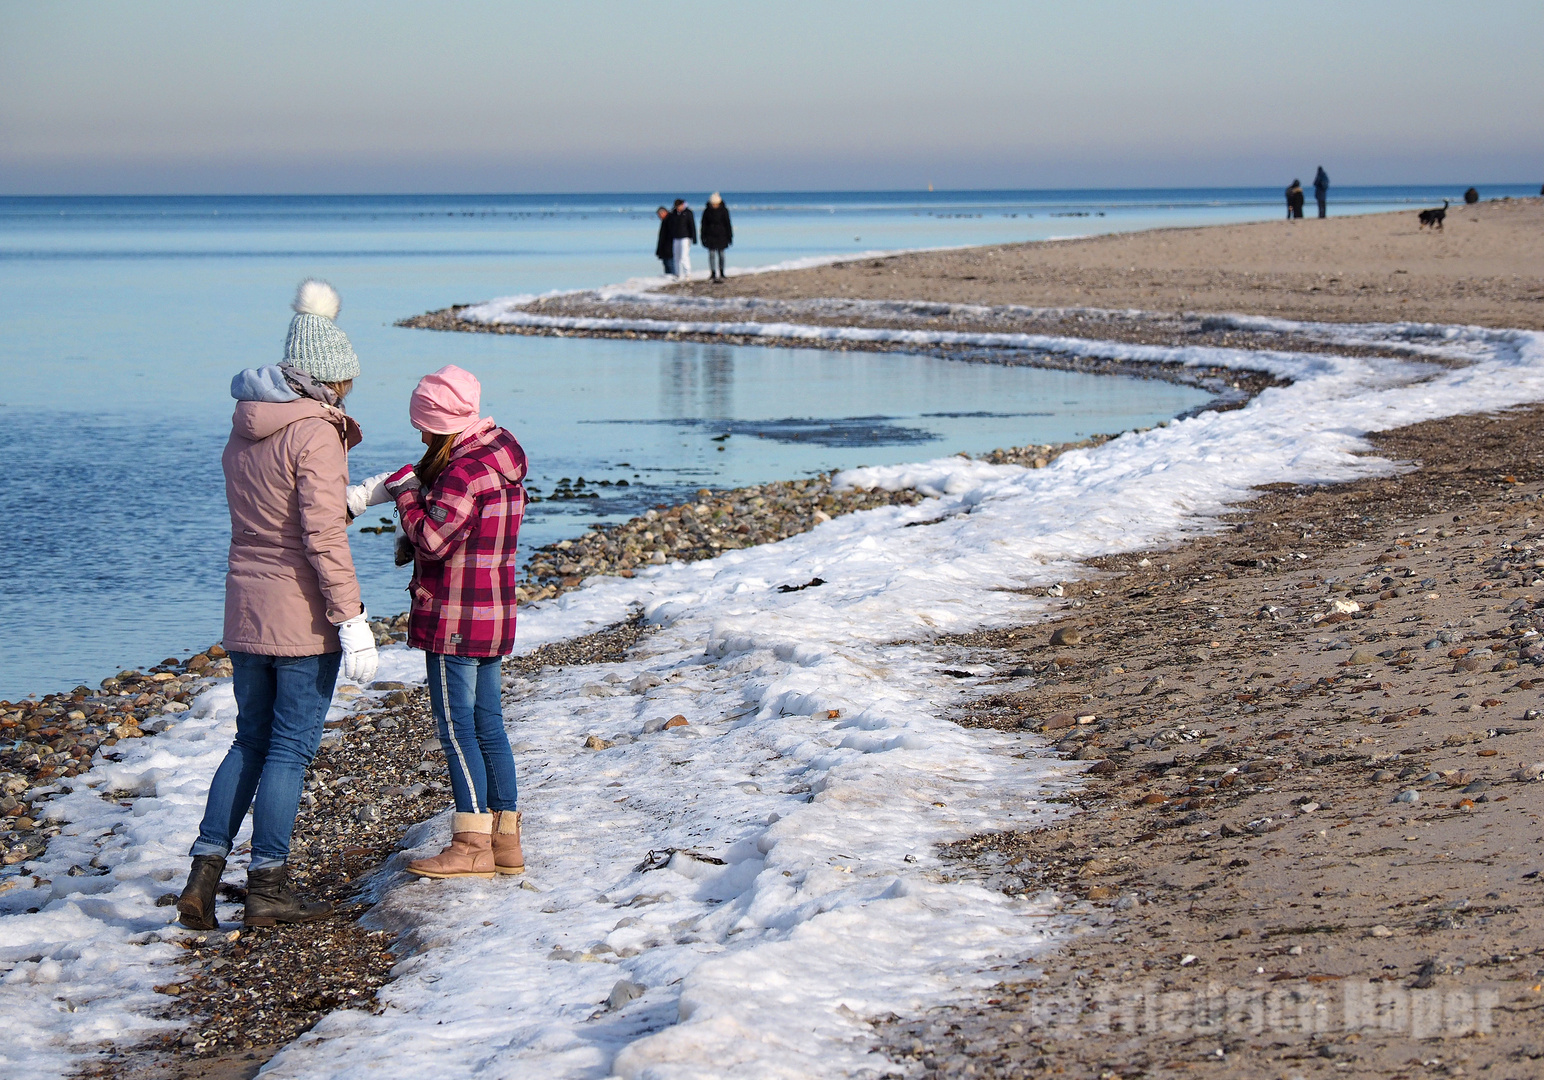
(315, 344)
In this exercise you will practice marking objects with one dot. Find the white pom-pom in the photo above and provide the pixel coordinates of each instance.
(317, 298)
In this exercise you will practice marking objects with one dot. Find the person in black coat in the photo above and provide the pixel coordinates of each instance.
(683, 228)
(1295, 199)
(717, 234)
(1321, 188)
(664, 246)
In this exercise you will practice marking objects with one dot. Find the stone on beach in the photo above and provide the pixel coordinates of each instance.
(1067, 635)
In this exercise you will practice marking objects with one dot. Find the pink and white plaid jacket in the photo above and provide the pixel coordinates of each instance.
(463, 532)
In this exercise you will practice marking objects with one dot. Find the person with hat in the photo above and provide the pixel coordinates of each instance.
(293, 616)
(460, 509)
(717, 234)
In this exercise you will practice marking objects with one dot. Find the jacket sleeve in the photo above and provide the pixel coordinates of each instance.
(321, 483)
(438, 520)
(728, 229)
(691, 226)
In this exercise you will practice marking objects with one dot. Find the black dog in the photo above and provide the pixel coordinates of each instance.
(1434, 217)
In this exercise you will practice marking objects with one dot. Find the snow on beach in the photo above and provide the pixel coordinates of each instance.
(800, 913)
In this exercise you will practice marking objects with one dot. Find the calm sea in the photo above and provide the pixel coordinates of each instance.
(123, 319)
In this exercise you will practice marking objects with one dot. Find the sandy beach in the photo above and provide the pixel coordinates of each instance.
(1485, 267)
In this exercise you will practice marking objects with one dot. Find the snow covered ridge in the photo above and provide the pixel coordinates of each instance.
(799, 915)
(1460, 343)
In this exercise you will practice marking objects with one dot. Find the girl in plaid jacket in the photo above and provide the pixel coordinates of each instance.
(460, 508)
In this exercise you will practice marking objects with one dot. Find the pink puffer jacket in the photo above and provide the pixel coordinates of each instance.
(291, 575)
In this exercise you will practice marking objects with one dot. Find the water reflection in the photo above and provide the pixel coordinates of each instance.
(697, 381)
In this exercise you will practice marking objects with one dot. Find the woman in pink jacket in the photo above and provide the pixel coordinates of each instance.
(292, 609)
(460, 508)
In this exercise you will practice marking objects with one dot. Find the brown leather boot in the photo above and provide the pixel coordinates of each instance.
(195, 907)
(507, 856)
(470, 853)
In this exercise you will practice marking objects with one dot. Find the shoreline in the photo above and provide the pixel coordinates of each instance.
(1166, 653)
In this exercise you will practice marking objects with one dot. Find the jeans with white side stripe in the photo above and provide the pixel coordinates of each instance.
(464, 695)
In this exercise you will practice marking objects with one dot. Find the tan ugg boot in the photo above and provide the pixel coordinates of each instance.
(470, 853)
(507, 856)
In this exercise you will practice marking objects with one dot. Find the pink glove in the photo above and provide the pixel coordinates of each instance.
(403, 480)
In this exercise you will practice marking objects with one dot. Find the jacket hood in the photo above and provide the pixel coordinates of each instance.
(257, 420)
(494, 447)
(262, 384)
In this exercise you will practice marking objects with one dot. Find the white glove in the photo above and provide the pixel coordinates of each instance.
(367, 493)
(358, 641)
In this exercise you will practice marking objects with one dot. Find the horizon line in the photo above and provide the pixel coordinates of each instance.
(745, 191)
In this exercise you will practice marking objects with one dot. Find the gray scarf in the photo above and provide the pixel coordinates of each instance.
(306, 386)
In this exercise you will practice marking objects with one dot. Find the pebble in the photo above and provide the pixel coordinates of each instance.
(1384, 775)
(676, 721)
(595, 742)
(1380, 931)
(1409, 795)
(624, 992)
(703, 529)
(1529, 772)
(1361, 657)
(1067, 635)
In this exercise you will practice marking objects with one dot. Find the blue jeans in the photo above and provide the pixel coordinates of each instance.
(464, 694)
(281, 702)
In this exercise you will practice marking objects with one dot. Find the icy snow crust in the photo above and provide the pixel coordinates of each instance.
(767, 964)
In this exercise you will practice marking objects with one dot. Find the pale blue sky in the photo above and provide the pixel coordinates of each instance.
(162, 96)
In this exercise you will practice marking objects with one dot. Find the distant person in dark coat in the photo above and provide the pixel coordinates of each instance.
(1321, 188)
(717, 234)
(683, 230)
(664, 247)
(1295, 199)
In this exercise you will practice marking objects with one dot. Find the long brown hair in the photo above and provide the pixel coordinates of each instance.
(435, 458)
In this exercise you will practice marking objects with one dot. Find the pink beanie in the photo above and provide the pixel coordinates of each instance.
(446, 401)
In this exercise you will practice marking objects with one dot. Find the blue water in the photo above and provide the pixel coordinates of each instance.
(122, 320)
